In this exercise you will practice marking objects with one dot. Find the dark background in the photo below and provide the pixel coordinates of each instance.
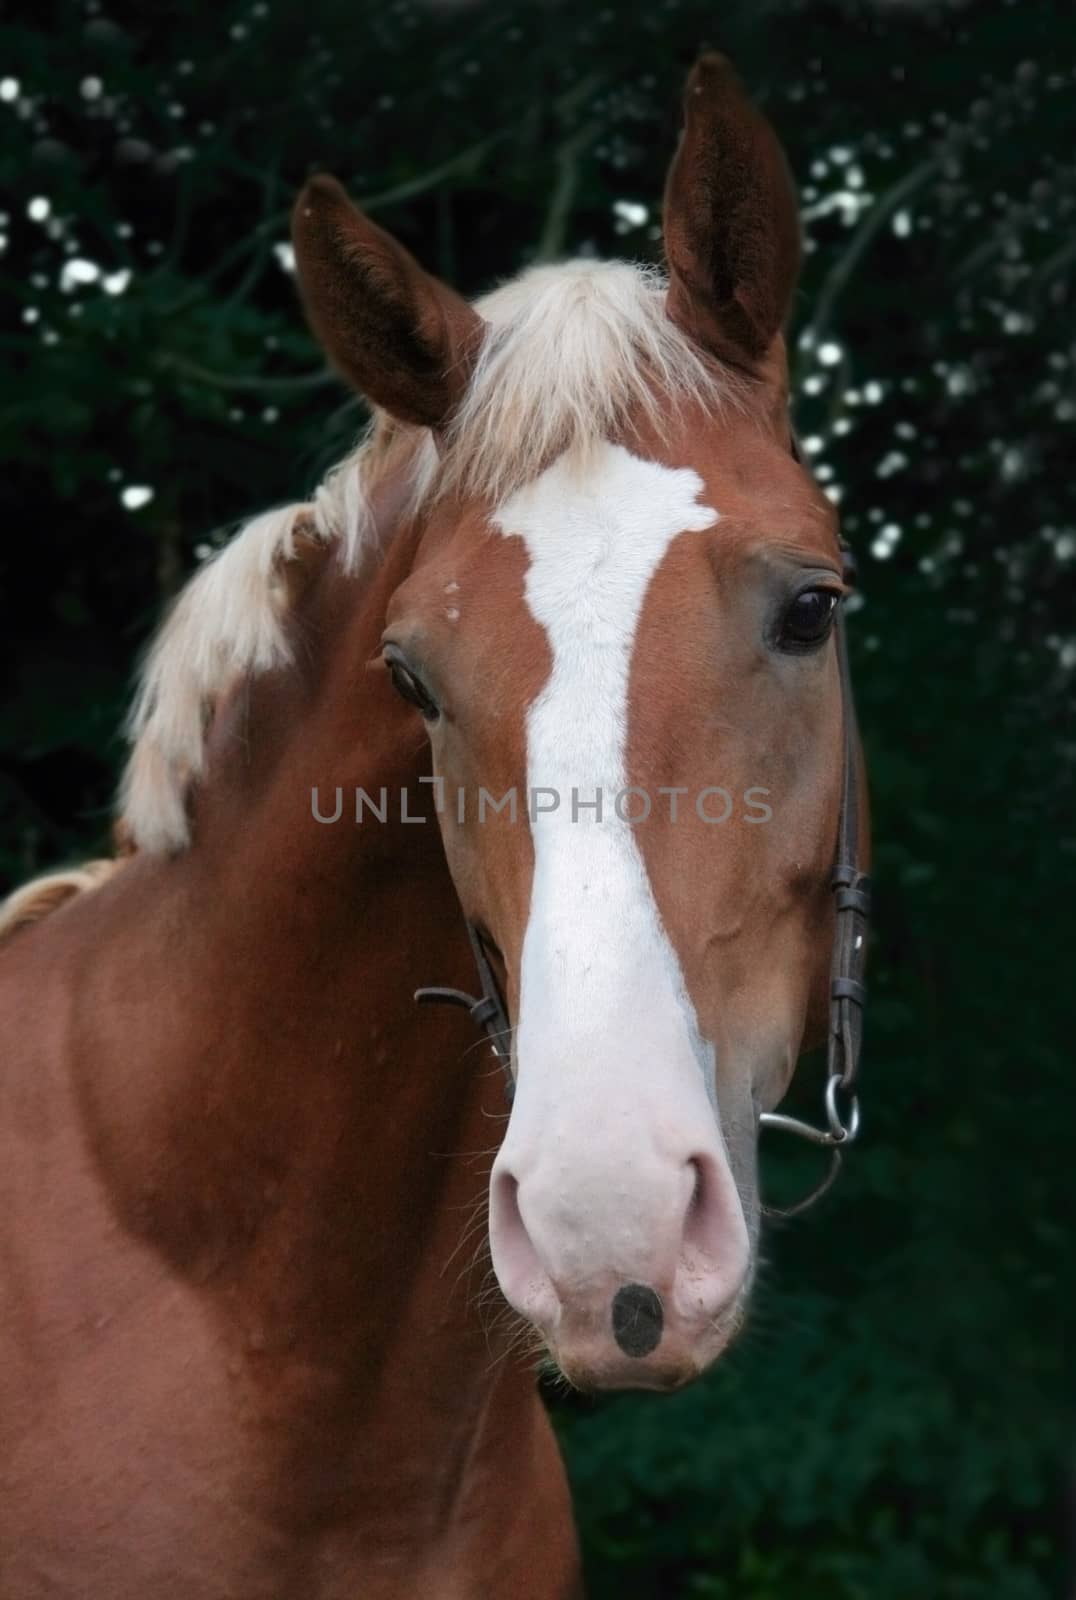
(897, 1420)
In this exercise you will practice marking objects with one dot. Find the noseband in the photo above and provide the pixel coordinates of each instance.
(847, 991)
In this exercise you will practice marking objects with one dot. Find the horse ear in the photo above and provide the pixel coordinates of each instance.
(401, 337)
(732, 231)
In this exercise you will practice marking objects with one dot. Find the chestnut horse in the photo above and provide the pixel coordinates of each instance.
(551, 654)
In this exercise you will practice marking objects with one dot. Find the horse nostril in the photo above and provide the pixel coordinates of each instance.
(638, 1319)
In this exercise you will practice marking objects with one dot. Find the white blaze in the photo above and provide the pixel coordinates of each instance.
(607, 1041)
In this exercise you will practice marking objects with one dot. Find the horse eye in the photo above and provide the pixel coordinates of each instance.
(807, 620)
(411, 688)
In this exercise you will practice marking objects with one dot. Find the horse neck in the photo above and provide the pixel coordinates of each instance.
(299, 1149)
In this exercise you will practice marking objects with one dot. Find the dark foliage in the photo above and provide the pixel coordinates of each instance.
(896, 1421)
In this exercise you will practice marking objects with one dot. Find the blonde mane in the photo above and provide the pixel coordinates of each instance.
(571, 352)
(39, 898)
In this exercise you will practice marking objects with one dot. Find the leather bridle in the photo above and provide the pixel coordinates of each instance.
(847, 991)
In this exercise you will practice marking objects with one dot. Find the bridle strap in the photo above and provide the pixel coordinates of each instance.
(847, 991)
(487, 1010)
(852, 900)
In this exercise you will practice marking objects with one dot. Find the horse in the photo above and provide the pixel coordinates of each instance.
(548, 670)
